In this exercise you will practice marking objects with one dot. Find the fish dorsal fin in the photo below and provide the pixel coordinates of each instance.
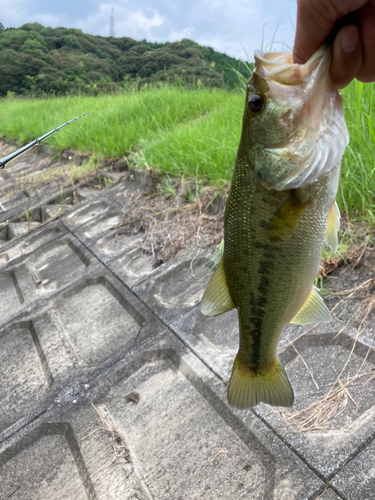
(216, 299)
(313, 310)
(333, 226)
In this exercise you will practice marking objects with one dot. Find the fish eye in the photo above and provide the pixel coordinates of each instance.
(256, 103)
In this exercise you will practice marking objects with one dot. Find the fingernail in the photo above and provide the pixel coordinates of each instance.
(350, 39)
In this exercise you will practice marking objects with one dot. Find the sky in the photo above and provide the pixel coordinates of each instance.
(235, 27)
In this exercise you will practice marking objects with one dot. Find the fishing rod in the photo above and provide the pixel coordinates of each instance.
(7, 159)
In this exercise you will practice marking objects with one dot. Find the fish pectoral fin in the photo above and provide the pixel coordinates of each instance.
(333, 226)
(248, 388)
(313, 310)
(216, 299)
(286, 218)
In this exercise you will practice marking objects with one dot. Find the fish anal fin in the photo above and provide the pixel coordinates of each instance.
(333, 226)
(313, 310)
(286, 218)
(216, 299)
(247, 387)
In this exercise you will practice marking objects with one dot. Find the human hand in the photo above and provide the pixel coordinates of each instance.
(353, 53)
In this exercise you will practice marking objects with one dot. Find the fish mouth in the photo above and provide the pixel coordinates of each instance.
(279, 66)
(318, 142)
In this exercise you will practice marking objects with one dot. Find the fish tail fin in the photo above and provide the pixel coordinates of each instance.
(270, 385)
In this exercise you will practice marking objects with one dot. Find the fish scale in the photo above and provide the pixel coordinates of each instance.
(266, 281)
(274, 231)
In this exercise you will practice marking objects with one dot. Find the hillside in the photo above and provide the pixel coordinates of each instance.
(38, 60)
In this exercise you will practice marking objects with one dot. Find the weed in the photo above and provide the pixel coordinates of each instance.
(178, 131)
(167, 187)
(63, 197)
(28, 219)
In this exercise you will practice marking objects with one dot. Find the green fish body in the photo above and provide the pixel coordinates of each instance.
(278, 215)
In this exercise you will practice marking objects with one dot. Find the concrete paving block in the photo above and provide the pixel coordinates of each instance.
(101, 232)
(33, 214)
(176, 288)
(4, 234)
(22, 376)
(85, 213)
(99, 226)
(123, 194)
(212, 339)
(133, 266)
(14, 201)
(30, 242)
(174, 292)
(3, 258)
(357, 479)
(107, 329)
(215, 340)
(17, 229)
(114, 243)
(164, 432)
(71, 337)
(46, 465)
(31, 162)
(10, 294)
(329, 494)
(85, 193)
(7, 184)
(352, 311)
(54, 211)
(313, 363)
(315, 358)
(65, 197)
(59, 264)
(43, 273)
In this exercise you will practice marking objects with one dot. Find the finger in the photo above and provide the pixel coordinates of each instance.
(315, 21)
(346, 56)
(367, 71)
(311, 30)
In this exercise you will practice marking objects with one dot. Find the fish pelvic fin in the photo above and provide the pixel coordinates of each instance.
(270, 385)
(333, 226)
(216, 299)
(313, 310)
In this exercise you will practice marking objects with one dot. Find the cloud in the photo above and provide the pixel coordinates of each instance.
(187, 32)
(226, 25)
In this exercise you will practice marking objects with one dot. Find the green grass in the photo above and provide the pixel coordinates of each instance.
(206, 148)
(357, 188)
(115, 125)
(190, 133)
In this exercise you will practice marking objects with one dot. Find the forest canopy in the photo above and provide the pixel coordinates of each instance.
(36, 60)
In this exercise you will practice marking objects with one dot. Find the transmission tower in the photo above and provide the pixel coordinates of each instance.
(112, 25)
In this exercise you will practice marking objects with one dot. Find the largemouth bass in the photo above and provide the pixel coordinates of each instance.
(280, 210)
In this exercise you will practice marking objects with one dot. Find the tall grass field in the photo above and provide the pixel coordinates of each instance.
(194, 133)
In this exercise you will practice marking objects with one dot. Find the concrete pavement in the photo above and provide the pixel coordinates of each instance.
(113, 385)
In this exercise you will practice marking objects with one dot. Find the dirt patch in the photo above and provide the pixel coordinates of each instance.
(187, 217)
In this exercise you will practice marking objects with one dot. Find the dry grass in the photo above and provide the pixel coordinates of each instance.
(335, 398)
(322, 493)
(330, 405)
(175, 220)
(350, 253)
(120, 448)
